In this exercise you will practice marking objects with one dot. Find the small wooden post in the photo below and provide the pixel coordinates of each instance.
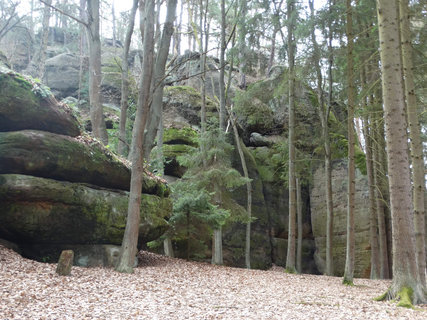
(65, 263)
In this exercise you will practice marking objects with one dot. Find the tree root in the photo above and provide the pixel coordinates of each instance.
(404, 297)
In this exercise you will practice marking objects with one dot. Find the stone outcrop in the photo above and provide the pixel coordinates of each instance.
(318, 220)
(62, 190)
(62, 74)
(46, 211)
(25, 104)
(60, 157)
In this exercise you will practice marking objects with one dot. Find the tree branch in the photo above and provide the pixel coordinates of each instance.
(66, 14)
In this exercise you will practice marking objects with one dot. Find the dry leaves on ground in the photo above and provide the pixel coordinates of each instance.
(165, 288)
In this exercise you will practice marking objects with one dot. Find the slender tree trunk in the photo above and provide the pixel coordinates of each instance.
(168, 248)
(299, 219)
(417, 159)
(373, 225)
(248, 192)
(222, 114)
(323, 112)
(113, 17)
(82, 44)
(159, 74)
(380, 196)
(96, 113)
(349, 261)
(290, 257)
(405, 268)
(242, 43)
(41, 57)
(328, 161)
(130, 239)
(217, 257)
(122, 147)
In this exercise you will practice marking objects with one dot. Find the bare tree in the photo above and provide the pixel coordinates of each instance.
(124, 104)
(92, 30)
(290, 257)
(350, 246)
(130, 238)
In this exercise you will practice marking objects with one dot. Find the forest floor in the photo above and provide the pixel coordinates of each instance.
(166, 288)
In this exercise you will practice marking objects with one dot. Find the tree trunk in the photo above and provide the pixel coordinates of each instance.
(299, 219)
(222, 114)
(323, 112)
(122, 147)
(43, 41)
(248, 192)
(159, 75)
(373, 225)
(168, 248)
(290, 257)
(349, 260)
(418, 174)
(217, 257)
(405, 268)
(130, 239)
(381, 200)
(96, 113)
(242, 43)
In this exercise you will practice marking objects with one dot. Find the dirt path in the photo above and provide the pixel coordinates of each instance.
(164, 288)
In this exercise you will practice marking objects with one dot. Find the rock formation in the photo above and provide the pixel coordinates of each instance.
(60, 189)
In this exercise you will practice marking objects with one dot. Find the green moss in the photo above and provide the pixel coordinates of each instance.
(185, 135)
(405, 297)
(188, 96)
(347, 282)
(172, 151)
(382, 297)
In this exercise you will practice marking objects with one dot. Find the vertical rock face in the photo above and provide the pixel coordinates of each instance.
(318, 220)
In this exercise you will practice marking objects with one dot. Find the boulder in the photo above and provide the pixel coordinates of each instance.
(62, 74)
(26, 104)
(60, 157)
(65, 263)
(45, 211)
(181, 106)
(318, 220)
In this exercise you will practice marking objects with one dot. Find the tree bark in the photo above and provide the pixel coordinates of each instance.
(222, 114)
(290, 257)
(242, 43)
(373, 225)
(96, 113)
(43, 41)
(349, 261)
(299, 222)
(405, 268)
(130, 239)
(324, 112)
(159, 75)
(122, 147)
(381, 199)
(418, 174)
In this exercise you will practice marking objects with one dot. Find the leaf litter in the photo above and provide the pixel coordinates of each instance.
(167, 288)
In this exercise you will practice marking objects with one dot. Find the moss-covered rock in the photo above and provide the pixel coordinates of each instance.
(60, 157)
(46, 211)
(27, 104)
(182, 105)
(186, 135)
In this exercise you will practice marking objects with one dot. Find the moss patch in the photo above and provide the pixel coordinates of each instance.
(185, 135)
